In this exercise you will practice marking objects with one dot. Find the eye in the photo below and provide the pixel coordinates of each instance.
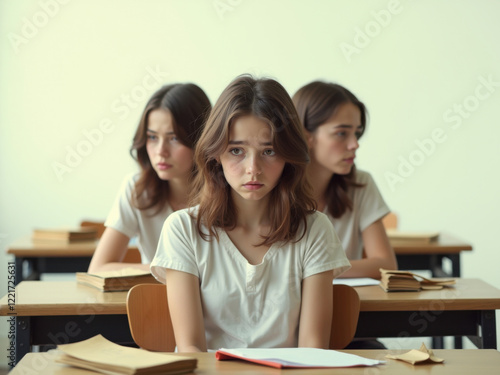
(152, 137)
(236, 151)
(173, 139)
(358, 135)
(269, 152)
(340, 134)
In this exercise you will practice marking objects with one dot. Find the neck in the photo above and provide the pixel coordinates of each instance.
(251, 214)
(178, 193)
(319, 178)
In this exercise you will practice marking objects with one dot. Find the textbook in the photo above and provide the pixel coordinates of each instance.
(400, 281)
(296, 357)
(99, 354)
(66, 235)
(417, 237)
(116, 280)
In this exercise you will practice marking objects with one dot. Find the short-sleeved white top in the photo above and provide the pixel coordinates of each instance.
(132, 222)
(247, 305)
(368, 206)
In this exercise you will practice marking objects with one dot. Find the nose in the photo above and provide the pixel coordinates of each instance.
(253, 165)
(353, 143)
(163, 148)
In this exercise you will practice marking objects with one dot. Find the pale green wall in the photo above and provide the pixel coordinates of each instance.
(65, 66)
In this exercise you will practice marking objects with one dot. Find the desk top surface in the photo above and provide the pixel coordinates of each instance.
(25, 247)
(457, 362)
(51, 298)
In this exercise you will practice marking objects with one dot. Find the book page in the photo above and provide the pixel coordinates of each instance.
(356, 281)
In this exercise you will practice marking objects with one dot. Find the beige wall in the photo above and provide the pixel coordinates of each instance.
(74, 76)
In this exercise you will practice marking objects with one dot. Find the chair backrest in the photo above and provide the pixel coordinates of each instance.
(149, 317)
(151, 326)
(345, 316)
(390, 221)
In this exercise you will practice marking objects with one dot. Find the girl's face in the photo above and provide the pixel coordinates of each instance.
(170, 159)
(250, 164)
(334, 143)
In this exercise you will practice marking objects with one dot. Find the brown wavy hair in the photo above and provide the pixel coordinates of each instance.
(316, 102)
(291, 200)
(189, 106)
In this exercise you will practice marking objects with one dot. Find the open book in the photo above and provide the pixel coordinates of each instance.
(101, 355)
(65, 235)
(296, 357)
(398, 281)
(116, 280)
(414, 237)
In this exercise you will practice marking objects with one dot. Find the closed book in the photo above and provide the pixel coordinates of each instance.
(116, 280)
(103, 356)
(414, 237)
(65, 234)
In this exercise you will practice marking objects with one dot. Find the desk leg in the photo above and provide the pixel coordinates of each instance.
(23, 335)
(19, 270)
(488, 329)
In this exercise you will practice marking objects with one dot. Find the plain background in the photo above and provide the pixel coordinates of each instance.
(71, 68)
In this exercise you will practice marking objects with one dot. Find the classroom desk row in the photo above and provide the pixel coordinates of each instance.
(51, 313)
(456, 362)
(40, 258)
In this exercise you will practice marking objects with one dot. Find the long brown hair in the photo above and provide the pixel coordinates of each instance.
(291, 200)
(189, 106)
(316, 102)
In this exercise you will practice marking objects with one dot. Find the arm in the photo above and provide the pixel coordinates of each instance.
(184, 301)
(379, 253)
(316, 311)
(110, 252)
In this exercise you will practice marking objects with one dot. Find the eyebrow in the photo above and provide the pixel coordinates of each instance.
(246, 143)
(345, 126)
(155, 132)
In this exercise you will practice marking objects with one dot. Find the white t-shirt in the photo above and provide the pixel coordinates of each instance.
(368, 206)
(132, 222)
(247, 305)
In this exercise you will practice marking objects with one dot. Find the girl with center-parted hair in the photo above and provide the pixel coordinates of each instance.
(252, 263)
(163, 146)
(334, 120)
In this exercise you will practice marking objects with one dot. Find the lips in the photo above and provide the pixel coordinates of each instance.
(253, 185)
(163, 166)
(349, 160)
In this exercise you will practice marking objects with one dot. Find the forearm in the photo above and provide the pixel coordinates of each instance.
(369, 267)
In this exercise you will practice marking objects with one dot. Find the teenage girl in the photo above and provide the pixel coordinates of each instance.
(252, 264)
(163, 147)
(335, 120)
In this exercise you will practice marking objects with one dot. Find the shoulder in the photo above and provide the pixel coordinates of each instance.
(317, 221)
(363, 177)
(185, 217)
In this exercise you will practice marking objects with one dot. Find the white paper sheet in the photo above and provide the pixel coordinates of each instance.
(361, 281)
(305, 357)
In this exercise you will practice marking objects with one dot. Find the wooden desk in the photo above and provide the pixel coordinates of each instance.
(457, 362)
(51, 257)
(64, 311)
(430, 256)
(75, 257)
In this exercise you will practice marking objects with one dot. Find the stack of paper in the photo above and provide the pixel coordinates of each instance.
(392, 281)
(101, 355)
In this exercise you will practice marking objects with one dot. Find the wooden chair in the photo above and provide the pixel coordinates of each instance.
(390, 221)
(151, 327)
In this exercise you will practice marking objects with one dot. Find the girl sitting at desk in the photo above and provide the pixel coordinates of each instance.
(252, 264)
(334, 121)
(163, 147)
